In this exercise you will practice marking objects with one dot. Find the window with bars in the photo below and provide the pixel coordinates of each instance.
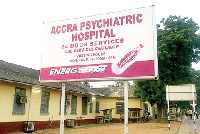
(91, 105)
(84, 105)
(19, 108)
(65, 112)
(44, 108)
(73, 104)
(97, 107)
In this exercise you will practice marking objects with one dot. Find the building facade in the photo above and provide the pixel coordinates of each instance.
(24, 99)
(114, 99)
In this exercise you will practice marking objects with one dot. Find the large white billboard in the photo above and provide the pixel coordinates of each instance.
(185, 92)
(113, 46)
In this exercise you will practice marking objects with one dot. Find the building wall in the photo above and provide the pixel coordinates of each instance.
(79, 108)
(42, 121)
(107, 103)
(7, 93)
(54, 105)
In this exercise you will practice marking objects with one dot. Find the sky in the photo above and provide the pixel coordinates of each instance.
(21, 25)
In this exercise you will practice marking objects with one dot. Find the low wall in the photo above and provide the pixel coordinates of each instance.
(12, 127)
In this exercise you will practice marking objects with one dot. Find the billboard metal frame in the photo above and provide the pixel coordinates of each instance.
(136, 59)
(177, 92)
(68, 57)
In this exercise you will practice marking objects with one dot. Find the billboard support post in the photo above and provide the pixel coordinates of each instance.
(167, 95)
(62, 109)
(125, 107)
(193, 95)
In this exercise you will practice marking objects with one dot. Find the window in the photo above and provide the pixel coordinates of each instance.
(18, 108)
(84, 105)
(65, 104)
(44, 108)
(97, 107)
(120, 107)
(74, 104)
(91, 105)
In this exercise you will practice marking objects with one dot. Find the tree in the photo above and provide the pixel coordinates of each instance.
(178, 46)
(176, 49)
(119, 84)
(86, 84)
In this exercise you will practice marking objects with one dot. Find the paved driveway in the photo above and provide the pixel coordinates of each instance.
(188, 127)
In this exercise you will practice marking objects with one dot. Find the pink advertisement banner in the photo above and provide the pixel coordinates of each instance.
(88, 72)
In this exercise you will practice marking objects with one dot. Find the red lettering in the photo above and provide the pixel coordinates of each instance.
(139, 20)
(76, 45)
(92, 33)
(112, 34)
(74, 37)
(116, 22)
(88, 26)
(74, 28)
(99, 25)
(117, 41)
(105, 22)
(107, 34)
(122, 40)
(69, 26)
(53, 30)
(100, 42)
(93, 23)
(82, 25)
(128, 19)
(122, 18)
(96, 34)
(63, 28)
(110, 21)
(58, 29)
(133, 18)
(87, 35)
(101, 31)
(80, 36)
(91, 43)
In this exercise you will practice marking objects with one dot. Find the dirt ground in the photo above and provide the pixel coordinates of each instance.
(134, 128)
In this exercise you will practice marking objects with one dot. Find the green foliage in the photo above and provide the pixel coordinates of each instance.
(86, 84)
(152, 91)
(181, 104)
(119, 84)
(178, 47)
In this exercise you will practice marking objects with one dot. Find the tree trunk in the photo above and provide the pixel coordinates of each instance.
(159, 117)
